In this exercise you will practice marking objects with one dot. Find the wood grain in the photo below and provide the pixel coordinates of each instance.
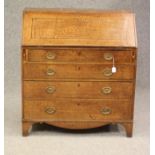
(77, 71)
(119, 90)
(84, 28)
(86, 55)
(77, 110)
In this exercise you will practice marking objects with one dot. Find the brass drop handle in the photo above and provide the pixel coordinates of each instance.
(51, 56)
(108, 56)
(106, 111)
(106, 90)
(50, 72)
(107, 72)
(50, 90)
(50, 110)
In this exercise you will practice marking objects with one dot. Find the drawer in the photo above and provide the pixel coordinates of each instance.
(77, 71)
(77, 110)
(80, 55)
(105, 90)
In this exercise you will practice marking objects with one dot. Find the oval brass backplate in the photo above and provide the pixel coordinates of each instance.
(50, 90)
(108, 56)
(50, 72)
(106, 111)
(50, 110)
(51, 56)
(107, 72)
(106, 90)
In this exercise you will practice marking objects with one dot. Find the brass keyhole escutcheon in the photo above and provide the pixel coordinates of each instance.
(106, 111)
(50, 56)
(108, 56)
(107, 72)
(50, 110)
(50, 90)
(106, 90)
(50, 72)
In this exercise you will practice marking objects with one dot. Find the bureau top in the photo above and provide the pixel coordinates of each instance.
(53, 27)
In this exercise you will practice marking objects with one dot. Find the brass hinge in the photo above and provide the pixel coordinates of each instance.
(133, 56)
(24, 55)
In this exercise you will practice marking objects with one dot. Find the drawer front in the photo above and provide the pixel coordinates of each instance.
(77, 71)
(105, 90)
(77, 110)
(80, 55)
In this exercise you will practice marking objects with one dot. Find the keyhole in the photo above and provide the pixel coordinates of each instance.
(79, 53)
(77, 68)
(78, 85)
(78, 104)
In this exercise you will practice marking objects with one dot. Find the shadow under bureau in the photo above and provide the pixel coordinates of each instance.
(78, 68)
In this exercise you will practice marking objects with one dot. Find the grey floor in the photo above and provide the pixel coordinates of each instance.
(46, 140)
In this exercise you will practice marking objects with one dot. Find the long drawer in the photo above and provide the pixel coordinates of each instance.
(77, 71)
(100, 90)
(77, 110)
(80, 55)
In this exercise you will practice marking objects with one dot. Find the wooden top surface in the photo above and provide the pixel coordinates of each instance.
(78, 28)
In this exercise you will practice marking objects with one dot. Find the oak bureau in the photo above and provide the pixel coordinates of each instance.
(78, 68)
